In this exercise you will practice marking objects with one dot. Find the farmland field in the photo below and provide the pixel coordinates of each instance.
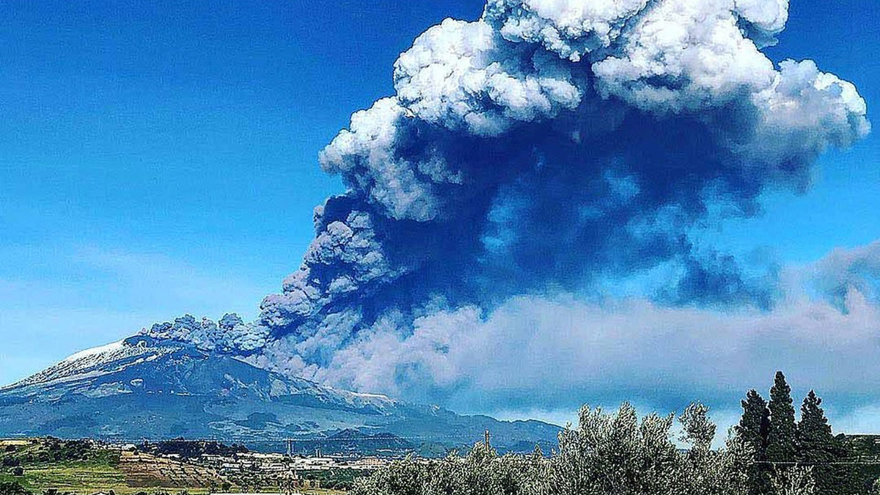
(48, 465)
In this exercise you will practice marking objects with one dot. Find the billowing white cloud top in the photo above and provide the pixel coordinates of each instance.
(544, 148)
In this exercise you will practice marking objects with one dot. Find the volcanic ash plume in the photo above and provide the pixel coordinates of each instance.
(552, 146)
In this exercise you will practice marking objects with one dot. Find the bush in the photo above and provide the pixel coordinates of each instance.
(18, 471)
(13, 488)
(794, 481)
(607, 454)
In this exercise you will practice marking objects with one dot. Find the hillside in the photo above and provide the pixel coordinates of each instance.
(145, 388)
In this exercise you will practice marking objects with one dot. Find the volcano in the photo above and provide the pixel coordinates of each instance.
(143, 388)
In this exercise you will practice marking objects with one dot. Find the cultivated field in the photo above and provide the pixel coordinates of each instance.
(46, 465)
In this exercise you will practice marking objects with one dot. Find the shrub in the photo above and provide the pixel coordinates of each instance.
(606, 454)
(13, 488)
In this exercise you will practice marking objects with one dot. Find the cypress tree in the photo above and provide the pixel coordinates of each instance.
(755, 422)
(817, 447)
(813, 432)
(753, 429)
(782, 435)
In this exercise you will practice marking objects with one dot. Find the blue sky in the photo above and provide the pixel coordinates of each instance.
(158, 158)
(838, 210)
(148, 138)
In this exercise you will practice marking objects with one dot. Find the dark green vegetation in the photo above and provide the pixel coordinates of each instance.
(188, 449)
(12, 488)
(32, 466)
(770, 452)
(777, 441)
(336, 479)
(330, 480)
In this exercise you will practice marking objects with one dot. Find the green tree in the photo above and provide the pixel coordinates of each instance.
(616, 453)
(406, 477)
(782, 434)
(752, 431)
(817, 447)
(619, 454)
(606, 454)
(813, 432)
(795, 481)
(13, 488)
(697, 429)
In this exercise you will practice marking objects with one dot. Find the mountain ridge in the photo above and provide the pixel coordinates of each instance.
(156, 389)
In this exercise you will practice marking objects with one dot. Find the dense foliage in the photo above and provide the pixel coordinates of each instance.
(607, 453)
(191, 449)
(12, 488)
(52, 450)
(780, 445)
(767, 453)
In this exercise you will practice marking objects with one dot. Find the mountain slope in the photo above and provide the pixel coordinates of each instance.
(143, 387)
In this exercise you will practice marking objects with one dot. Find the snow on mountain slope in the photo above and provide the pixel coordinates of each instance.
(143, 387)
(157, 366)
(93, 363)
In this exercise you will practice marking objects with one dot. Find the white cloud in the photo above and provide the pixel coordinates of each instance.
(558, 352)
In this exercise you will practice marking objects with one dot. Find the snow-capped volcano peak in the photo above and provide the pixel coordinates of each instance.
(154, 365)
(98, 361)
(96, 351)
(146, 387)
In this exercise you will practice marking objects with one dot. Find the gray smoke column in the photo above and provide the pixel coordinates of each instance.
(553, 145)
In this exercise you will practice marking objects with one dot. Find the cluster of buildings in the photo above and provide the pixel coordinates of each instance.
(280, 463)
(252, 462)
(290, 472)
(248, 469)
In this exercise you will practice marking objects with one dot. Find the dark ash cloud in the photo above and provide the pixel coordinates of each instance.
(542, 149)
